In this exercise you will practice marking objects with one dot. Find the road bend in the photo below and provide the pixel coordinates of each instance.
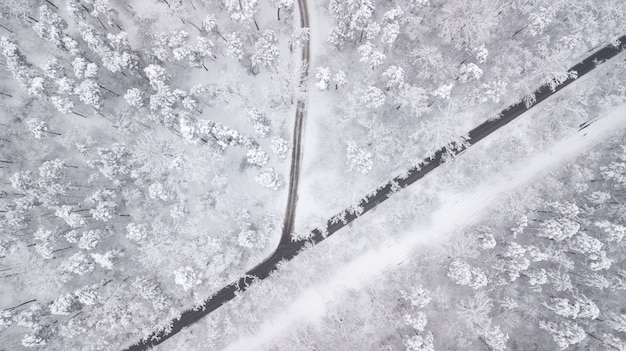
(289, 249)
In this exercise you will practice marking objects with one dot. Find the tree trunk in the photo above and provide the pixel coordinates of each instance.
(20, 305)
(102, 24)
(63, 249)
(195, 26)
(6, 28)
(110, 91)
(51, 4)
(519, 30)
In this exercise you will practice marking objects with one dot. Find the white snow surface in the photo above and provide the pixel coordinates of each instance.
(464, 207)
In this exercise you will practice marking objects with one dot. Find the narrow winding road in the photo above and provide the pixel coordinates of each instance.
(296, 152)
(288, 249)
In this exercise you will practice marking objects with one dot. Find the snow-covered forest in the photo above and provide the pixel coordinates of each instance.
(143, 156)
(146, 152)
(533, 259)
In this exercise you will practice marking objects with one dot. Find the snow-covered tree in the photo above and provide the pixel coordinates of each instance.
(31, 316)
(564, 333)
(280, 147)
(494, 337)
(460, 272)
(242, 11)
(537, 276)
(540, 20)
(481, 53)
(113, 162)
(563, 307)
(106, 207)
(464, 274)
(413, 99)
(323, 78)
(149, 289)
(266, 50)
(469, 72)
(257, 157)
(135, 97)
(16, 62)
(286, 6)
(599, 261)
(340, 79)
(89, 240)
(418, 296)
(358, 158)
(50, 26)
(78, 263)
(64, 305)
(585, 244)
(158, 191)
(299, 38)
(38, 336)
(616, 321)
(371, 57)
(6, 319)
(39, 128)
(416, 321)
(486, 239)
(157, 76)
(269, 179)
(209, 23)
(260, 122)
(588, 308)
(87, 295)
(390, 33)
(419, 342)
(234, 46)
(394, 76)
(614, 342)
(186, 277)
(83, 69)
(108, 259)
(613, 232)
(558, 230)
(62, 104)
(89, 92)
(136, 232)
(372, 97)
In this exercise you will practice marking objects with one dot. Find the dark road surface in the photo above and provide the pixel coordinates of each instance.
(288, 250)
(296, 152)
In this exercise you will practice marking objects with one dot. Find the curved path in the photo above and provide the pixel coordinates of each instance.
(296, 153)
(289, 250)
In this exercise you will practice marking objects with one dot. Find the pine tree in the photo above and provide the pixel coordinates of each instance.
(50, 26)
(266, 50)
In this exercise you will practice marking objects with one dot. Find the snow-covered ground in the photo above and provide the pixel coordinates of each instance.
(125, 206)
(465, 208)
